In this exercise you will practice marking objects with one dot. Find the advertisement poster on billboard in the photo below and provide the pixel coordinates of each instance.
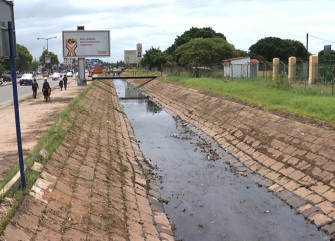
(47, 59)
(139, 50)
(81, 44)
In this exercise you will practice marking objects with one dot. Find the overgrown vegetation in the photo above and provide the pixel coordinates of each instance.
(281, 82)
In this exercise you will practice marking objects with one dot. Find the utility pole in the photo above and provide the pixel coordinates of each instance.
(49, 59)
(307, 42)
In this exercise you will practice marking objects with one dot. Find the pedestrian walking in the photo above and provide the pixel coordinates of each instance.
(65, 82)
(61, 82)
(34, 87)
(46, 89)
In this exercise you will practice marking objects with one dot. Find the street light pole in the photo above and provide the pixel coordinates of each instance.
(47, 39)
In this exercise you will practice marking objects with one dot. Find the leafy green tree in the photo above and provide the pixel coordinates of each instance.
(240, 53)
(155, 58)
(54, 58)
(202, 51)
(2, 66)
(192, 33)
(197, 33)
(24, 60)
(272, 47)
(35, 64)
(327, 58)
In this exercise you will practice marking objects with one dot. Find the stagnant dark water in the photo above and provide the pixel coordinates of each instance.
(209, 194)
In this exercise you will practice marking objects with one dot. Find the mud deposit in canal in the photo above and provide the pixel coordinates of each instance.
(208, 195)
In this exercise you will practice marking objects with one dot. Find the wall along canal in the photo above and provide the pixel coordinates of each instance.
(209, 194)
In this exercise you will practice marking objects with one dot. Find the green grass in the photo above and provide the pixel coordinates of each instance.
(315, 101)
(305, 102)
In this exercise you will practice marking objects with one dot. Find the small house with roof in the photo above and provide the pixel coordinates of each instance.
(240, 67)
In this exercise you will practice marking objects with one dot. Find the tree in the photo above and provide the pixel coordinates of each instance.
(240, 53)
(323, 58)
(35, 64)
(24, 61)
(272, 47)
(202, 51)
(2, 66)
(54, 58)
(192, 33)
(155, 58)
(197, 33)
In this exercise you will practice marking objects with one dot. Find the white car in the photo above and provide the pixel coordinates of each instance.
(27, 79)
(55, 76)
(69, 74)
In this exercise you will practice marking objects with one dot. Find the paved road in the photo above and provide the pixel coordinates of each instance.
(6, 90)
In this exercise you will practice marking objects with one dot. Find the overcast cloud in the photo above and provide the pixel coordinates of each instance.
(157, 23)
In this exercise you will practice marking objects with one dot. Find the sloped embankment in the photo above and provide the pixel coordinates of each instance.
(93, 186)
(294, 157)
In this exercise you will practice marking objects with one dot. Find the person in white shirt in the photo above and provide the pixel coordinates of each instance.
(61, 82)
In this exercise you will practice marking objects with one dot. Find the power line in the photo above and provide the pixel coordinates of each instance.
(321, 38)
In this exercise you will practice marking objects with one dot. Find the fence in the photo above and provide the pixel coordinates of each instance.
(326, 71)
(215, 71)
(325, 74)
(212, 71)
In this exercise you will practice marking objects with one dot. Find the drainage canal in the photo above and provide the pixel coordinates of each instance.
(209, 195)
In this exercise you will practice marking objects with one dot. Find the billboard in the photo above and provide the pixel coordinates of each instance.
(130, 56)
(6, 15)
(81, 44)
(47, 59)
(139, 50)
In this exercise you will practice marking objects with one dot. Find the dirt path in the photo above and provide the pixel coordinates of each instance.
(92, 187)
(36, 116)
(294, 157)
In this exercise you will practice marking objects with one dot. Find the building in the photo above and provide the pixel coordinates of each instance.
(240, 67)
(69, 62)
(130, 56)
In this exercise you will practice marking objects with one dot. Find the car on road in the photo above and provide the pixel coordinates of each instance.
(55, 76)
(6, 77)
(45, 74)
(27, 79)
(69, 74)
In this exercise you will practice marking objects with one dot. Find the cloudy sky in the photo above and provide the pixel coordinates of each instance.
(156, 23)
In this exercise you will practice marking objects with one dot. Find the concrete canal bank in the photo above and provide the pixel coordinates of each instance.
(292, 157)
(93, 187)
(207, 193)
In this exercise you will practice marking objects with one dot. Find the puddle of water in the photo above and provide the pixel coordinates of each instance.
(206, 200)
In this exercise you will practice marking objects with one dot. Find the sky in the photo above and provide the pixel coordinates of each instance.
(155, 23)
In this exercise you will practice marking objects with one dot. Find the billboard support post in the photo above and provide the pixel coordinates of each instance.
(81, 64)
(81, 71)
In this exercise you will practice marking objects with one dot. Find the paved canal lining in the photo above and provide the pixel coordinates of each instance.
(209, 194)
(295, 156)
